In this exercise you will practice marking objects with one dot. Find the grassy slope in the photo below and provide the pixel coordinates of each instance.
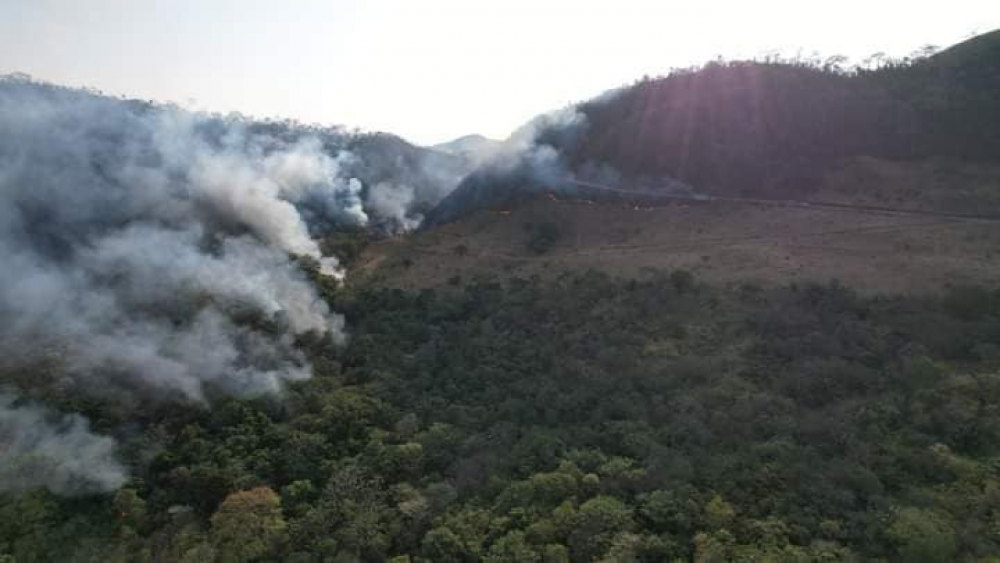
(730, 242)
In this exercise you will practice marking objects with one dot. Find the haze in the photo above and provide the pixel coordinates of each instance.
(431, 71)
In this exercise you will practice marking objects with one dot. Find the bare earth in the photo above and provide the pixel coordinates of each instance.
(719, 242)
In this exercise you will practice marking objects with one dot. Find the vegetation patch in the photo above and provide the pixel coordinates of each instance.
(584, 418)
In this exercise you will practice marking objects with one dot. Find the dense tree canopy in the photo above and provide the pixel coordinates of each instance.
(583, 419)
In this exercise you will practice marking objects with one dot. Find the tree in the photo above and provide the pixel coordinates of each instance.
(444, 546)
(131, 508)
(555, 553)
(248, 525)
(719, 514)
(682, 280)
(676, 512)
(923, 536)
(714, 547)
(597, 522)
(542, 237)
(512, 547)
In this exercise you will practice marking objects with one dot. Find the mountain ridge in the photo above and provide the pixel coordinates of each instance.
(766, 129)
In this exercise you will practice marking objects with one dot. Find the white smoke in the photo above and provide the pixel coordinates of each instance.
(153, 252)
(153, 248)
(536, 143)
(393, 203)
(244, 184)
(526, 163)
(58, 452)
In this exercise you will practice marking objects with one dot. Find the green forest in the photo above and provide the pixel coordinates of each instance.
(585, 418)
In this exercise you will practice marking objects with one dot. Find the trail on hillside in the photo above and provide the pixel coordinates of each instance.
(568, 250)
(705, 198)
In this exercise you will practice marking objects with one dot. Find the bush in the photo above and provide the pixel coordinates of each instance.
(542, 237)
(682, 280)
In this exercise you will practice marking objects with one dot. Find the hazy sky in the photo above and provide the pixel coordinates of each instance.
(431, 70)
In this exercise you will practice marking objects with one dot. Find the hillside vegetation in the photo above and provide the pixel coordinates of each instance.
(723, 243)
(774, 128)
(580, 419)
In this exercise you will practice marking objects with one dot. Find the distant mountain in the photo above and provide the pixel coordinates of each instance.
(468, 145)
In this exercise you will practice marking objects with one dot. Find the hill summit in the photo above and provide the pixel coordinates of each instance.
(769, 128)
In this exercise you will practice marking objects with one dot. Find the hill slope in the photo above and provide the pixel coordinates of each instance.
(720, 242)
(766, 129)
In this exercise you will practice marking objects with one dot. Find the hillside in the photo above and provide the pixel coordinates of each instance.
(724, 242)
(975, 62)
(771, 129)
(721, 243)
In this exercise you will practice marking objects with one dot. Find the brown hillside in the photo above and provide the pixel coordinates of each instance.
(729, 242)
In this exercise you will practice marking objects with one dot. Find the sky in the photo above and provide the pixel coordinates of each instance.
(434, 70)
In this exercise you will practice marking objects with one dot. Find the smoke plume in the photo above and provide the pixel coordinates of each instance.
(58, 452)
(394, 203)
(402, 182)
(528, 162)
(152, 251)
(152, 248)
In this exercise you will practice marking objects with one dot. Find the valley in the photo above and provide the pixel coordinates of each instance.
(745, 311)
